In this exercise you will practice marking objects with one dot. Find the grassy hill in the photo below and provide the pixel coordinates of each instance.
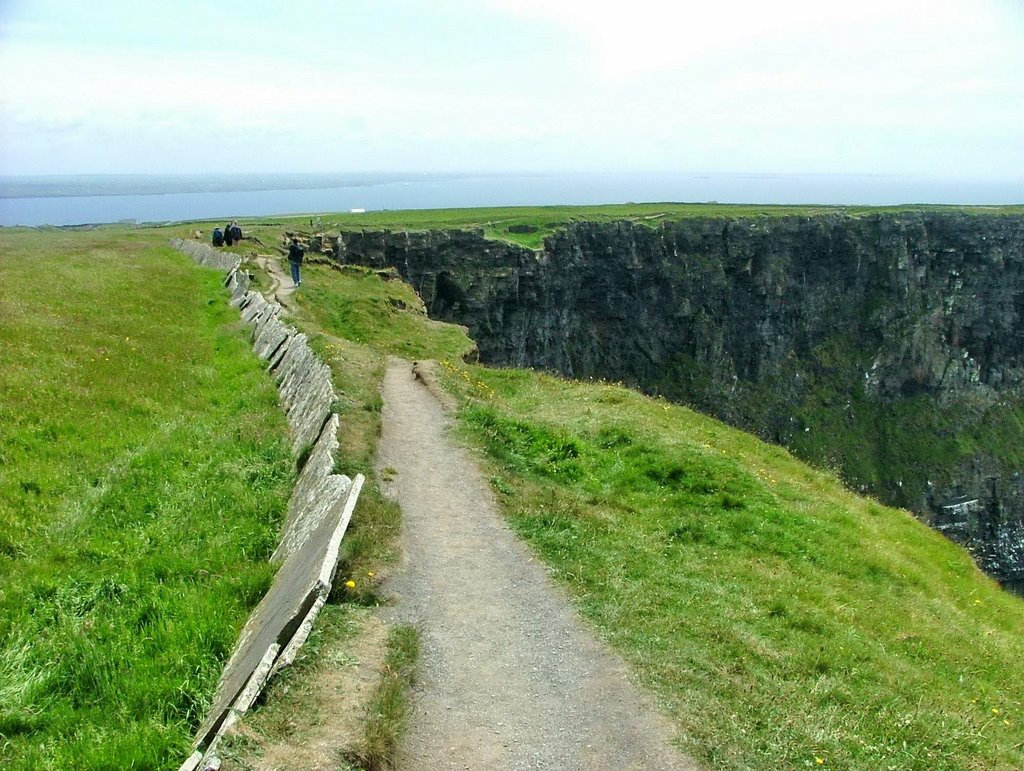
(779, 620)
(144, 469)
(778, 617)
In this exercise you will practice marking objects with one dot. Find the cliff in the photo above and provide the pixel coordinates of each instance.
(889, 346)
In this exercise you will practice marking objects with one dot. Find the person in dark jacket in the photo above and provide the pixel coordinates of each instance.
(295, 255)
(236, 232)
(218, 237)
(228, 235)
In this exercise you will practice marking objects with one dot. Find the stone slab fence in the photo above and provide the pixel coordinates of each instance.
(319, 510)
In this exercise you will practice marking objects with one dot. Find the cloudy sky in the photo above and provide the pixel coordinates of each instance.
(920, 87)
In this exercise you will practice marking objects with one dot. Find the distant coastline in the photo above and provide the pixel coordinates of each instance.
(95, 199)
(82, 185)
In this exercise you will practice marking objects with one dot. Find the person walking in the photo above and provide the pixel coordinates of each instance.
(295, 255)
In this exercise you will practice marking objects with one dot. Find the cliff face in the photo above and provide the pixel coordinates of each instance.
(889, 346)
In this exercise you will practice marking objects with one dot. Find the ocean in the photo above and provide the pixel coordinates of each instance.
(93, 199)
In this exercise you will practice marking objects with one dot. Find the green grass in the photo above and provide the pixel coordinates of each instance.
(778, 617)
(144, 469)
(387, 316)
(388, 710)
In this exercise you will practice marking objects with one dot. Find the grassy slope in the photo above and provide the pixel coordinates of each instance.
(779, 618)
(143, 472)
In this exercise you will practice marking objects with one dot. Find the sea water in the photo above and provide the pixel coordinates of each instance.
(72, 200)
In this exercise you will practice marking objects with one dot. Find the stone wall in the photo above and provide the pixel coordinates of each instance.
(319, 509)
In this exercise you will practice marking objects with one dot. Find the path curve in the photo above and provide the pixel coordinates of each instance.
(509, 676)
(281, 288)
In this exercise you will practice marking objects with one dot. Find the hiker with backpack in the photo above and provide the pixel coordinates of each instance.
(236, 232)
(218, 237)
(295, 255)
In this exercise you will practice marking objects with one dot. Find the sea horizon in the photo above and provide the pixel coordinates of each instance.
(79, 199)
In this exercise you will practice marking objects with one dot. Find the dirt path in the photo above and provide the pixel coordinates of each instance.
(509, 677)
(281, 288)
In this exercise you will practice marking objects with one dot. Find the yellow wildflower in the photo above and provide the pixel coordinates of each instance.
(350, 584)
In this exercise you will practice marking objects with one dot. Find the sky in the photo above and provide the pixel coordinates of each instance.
(906, 87)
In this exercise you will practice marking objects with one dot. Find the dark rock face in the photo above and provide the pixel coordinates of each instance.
(890, 346)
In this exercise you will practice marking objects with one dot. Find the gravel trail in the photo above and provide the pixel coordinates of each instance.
(509, 676)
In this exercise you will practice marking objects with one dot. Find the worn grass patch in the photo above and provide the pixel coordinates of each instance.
(388, 710)
(144, 469)
(315, 709)
(780, 619)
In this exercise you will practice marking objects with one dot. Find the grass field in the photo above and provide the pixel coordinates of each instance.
(144, 469)
(780, 621)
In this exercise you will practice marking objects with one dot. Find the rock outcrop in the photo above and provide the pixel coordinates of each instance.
(887, 345)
